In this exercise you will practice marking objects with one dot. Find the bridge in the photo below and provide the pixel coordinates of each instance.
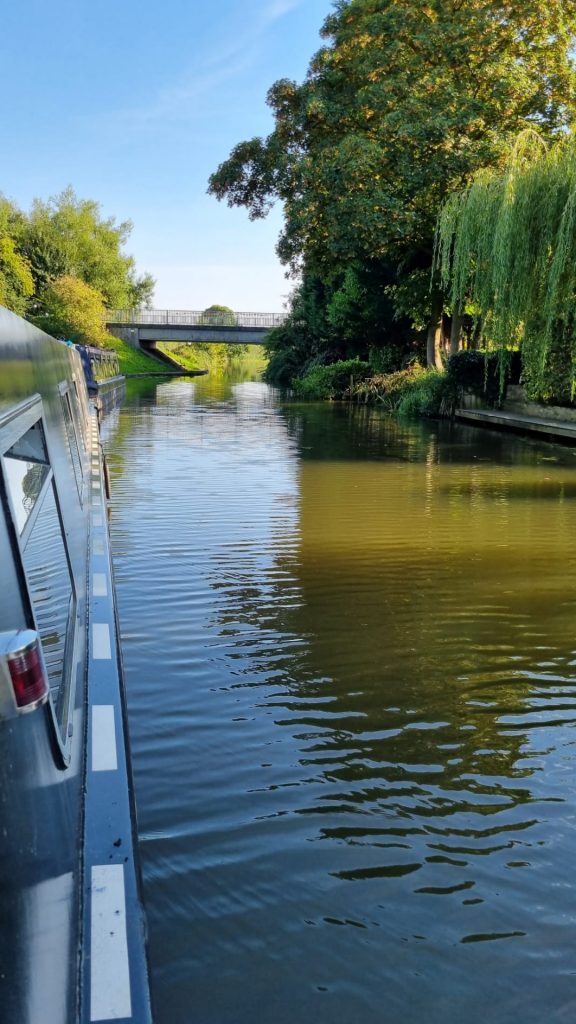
(142, 328)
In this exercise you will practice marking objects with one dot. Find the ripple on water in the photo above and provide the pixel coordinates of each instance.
(351, 691)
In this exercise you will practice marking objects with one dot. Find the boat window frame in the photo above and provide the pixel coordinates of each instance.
(69, 419)
(13, 426)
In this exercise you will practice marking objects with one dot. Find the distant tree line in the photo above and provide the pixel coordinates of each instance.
(401, 107)
(62, 265)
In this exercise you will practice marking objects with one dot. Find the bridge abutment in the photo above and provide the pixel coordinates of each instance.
(129, 335)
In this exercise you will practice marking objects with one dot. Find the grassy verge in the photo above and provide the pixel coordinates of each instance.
(183, 354)
(132, 361)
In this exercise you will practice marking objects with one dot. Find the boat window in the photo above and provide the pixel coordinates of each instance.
(29, 486)
(72, 441)
(26, 465)
(50, 588)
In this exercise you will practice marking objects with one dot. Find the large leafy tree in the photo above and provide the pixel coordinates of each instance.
(67, 236)
(63, 264)
(404, 102)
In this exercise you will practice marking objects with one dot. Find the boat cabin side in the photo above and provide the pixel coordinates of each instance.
(50, 495)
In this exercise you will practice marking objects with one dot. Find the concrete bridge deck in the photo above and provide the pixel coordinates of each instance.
(141, 328)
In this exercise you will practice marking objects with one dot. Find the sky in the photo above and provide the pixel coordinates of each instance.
(135, 104)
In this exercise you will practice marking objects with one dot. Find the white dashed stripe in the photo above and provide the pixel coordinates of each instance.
(101, 648)
(104, 757)
(109, 967)
(98, 546)
(99, 585)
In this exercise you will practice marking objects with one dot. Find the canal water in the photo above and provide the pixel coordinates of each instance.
(350, 656)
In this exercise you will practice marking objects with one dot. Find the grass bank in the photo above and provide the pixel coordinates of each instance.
(132, 361)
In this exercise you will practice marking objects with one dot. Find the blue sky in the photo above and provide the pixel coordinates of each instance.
(134, 105)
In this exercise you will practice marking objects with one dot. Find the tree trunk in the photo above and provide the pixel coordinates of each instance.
(434, 336)
(456, 332)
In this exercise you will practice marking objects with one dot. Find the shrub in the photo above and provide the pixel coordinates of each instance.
(388, 388)
(332, 381)
(75, 310)
(411, 392)
(481, 373)
(431, 394)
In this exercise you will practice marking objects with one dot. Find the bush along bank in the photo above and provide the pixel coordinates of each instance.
(414, 390)
(335, 380)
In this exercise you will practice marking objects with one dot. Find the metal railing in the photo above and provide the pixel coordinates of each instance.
(193, 318)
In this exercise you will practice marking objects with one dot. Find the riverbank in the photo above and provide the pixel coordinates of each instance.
(521, 416)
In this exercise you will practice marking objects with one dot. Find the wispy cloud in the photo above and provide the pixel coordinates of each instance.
(277, 9)
(229, 59)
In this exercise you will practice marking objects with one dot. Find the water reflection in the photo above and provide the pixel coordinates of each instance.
(356, 788)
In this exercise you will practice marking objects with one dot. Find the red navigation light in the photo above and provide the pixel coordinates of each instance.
(27, 672)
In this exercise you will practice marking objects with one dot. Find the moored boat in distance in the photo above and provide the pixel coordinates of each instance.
(72, 938)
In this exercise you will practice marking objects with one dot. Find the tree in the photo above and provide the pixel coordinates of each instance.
(74, 310)
(404, 102)
(67, 236)
(219, 316)
(16, 283)
(507, 245)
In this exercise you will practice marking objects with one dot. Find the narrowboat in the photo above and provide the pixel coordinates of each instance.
(72, 924)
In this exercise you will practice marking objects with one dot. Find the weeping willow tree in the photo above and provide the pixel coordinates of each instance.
(506, 247)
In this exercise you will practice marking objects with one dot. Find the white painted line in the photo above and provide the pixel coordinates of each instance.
(99, 585)
(97, 520)
(96, 485)
(109, 966)
(98, 546)
(104, 758)
(101, 648)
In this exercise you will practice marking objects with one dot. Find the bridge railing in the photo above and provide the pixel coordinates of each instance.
(193, 318)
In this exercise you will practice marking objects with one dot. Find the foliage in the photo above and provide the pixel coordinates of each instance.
(508, 245)
(65, 238)
(388, 388)
(414, 391)
(402, 104)
(73, 309)
(332, 381)
(303, 340)
(430, 395)
(219, 316)
(479, 373)
(16, 283)
(215, 357)
(351, 317)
